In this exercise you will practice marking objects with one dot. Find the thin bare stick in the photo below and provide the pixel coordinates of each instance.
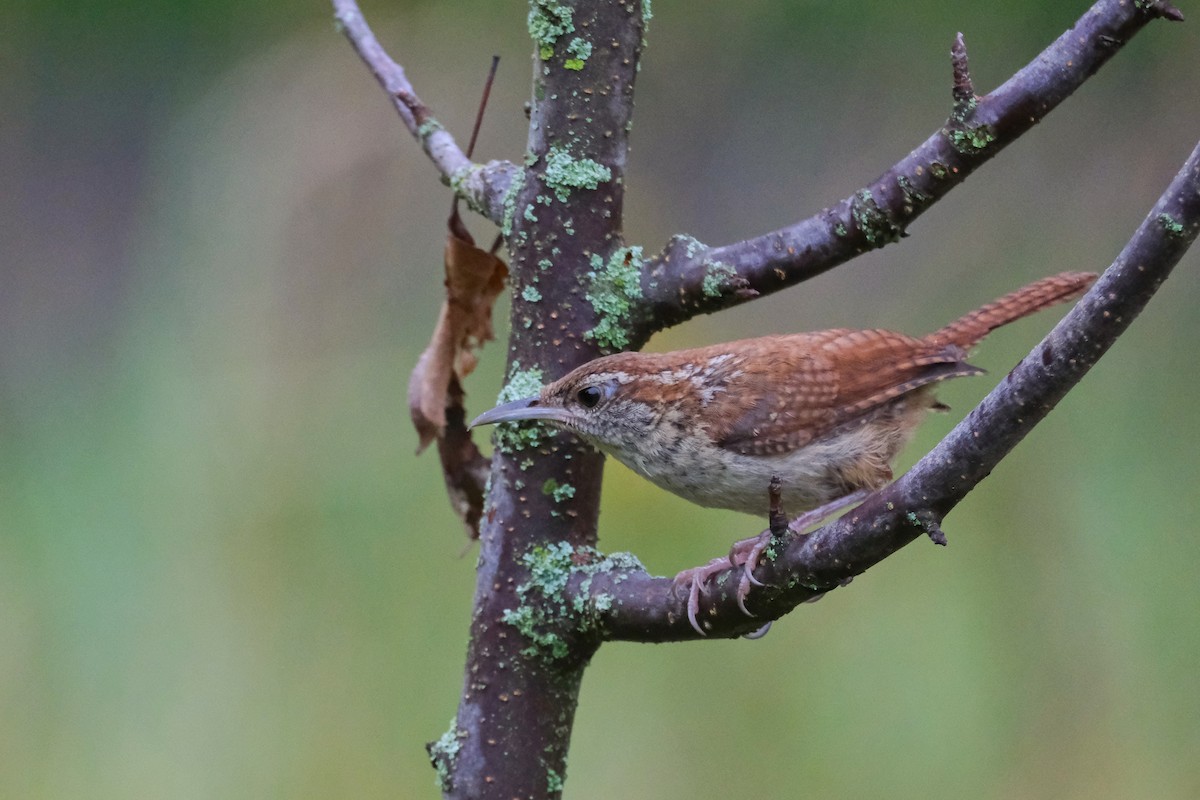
(483, 101)
(456, 223)
(482, 186)
(964, 90)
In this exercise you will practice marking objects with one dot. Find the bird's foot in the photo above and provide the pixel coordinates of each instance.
(747, 553)
(744, 554)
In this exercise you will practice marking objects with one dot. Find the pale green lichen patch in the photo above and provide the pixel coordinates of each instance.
(875, 225)
(544, 603)
(964, 109)
(617, 565)
(928, 523)
(915, 197)
(541, 600)
(613, 290)
(973, 140)
(1171, 225)
(458, 183)
(559, 491)
(443, 753)
(554, 781)
(717, 275)
(460, 177)
(531, 294)
(521, 383)
(580, 50)
(511, 437)
(564, 173)
(428, 128)
(548, 20)
(530, 622)
(510, 204)
(691, 246)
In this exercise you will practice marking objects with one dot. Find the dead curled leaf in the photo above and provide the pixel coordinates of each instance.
(474, 278)
(464, 468)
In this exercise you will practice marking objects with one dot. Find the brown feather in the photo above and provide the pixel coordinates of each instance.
(803, 386)
(969, 330)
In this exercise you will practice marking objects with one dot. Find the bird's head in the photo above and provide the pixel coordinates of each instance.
(613, 402)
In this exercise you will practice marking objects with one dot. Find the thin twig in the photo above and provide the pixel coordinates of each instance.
(964, 90)
(482, 186)
(679, 283)
(456, 223)
(483, 101)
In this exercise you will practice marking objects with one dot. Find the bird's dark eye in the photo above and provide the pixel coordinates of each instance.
(589, 396)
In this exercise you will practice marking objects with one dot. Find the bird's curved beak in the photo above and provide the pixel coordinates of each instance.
(520, 410)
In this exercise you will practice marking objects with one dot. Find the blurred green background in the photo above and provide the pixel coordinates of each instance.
(223, 573)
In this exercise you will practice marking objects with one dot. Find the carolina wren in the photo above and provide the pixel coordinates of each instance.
(825, 412)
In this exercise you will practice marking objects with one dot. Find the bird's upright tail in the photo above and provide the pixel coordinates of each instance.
(968, 330)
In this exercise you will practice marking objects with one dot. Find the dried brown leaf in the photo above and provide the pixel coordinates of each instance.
(463, 466)
(474, 278)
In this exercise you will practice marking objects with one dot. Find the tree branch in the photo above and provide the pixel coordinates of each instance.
(690, 278)
(482, 186)
(645, 609)
(569, 267)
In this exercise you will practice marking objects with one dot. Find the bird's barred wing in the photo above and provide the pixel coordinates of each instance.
(800, 388)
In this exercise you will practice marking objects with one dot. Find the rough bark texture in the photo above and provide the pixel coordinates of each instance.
(562, 218)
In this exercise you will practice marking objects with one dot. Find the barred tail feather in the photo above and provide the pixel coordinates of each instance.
(967, 331)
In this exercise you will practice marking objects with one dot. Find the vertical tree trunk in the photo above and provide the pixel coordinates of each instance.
(525, 663)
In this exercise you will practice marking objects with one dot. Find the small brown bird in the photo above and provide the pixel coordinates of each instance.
(825, 412)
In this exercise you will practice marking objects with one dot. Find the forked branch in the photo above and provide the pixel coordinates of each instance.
(647, 609)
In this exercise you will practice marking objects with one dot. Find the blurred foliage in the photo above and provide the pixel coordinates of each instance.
(224, 574)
